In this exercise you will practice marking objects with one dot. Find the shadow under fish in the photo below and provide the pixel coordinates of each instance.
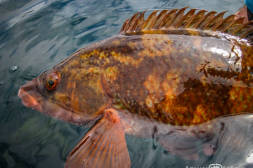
(168, 75)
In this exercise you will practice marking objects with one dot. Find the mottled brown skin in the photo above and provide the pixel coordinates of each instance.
(175, 79)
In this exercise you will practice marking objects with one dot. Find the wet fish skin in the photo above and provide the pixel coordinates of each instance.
(155, 75)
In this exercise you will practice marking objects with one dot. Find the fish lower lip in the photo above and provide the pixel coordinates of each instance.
(28, 100)
(26, 94)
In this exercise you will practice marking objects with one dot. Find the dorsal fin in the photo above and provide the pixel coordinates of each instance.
(166, 21)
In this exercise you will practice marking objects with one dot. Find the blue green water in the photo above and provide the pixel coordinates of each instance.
(36, 35)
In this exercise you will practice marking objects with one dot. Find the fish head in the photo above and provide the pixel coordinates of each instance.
(70, 91)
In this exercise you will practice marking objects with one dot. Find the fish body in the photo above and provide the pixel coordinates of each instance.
(170, 69)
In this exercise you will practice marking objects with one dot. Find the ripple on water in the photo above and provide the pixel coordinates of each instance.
(26, 14)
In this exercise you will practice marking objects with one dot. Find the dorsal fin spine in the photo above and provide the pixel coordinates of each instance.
(124, 25)
(167, 17)
(127, 26)
(234, 22)
(191, 12)
(199, 13)
(160, 18)
(201, 20)
(210, 14)
(220, 15)
(244, 25)
(217, 26)
(149, 21)
(246, 33)
(140, 21)
(135, 24)
(133, 21)
(174, 21)
(154, 22)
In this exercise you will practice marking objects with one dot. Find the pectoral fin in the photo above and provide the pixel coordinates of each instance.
(103, 146)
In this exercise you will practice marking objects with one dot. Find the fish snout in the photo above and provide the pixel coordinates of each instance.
(28, 94)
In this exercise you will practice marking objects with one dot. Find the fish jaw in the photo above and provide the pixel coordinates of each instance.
(32, 98)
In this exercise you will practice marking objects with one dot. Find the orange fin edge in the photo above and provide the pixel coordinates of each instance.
(103, 145)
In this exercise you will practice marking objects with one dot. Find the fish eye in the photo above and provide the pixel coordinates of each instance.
(52, 81)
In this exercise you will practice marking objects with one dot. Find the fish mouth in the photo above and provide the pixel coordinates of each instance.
(30, 98)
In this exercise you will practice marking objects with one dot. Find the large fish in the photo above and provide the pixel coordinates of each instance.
(170, 69)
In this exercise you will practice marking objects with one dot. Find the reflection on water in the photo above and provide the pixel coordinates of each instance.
(36, 35)
(229, 143)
